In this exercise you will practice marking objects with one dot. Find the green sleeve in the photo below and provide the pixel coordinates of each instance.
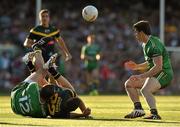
(83, 50)
(154, 52)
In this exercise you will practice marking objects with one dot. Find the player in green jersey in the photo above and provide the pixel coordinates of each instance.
(90, 54)
(157, 70)
(25, 97)
(28, 99)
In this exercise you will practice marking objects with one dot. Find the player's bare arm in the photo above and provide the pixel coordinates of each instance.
(78, 115)
(28, 43)
(136, 67)
(153, 71)
(63, 46)
(158, 63)
(85, 111)
(142, 67)
(85, 57)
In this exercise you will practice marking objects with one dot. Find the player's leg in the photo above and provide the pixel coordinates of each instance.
(94, 79)
(61, 81)
(28, 60)
(151, 85)
(88, 78)
(38, 75)
(33, 60)
(131, 89)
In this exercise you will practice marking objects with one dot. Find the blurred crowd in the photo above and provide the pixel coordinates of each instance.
(113, 30)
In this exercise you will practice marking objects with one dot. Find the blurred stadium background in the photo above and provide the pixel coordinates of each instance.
(113, 29)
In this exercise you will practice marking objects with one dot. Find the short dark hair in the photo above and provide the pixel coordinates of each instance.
(47, 91)
(143, 26)
(44, 11)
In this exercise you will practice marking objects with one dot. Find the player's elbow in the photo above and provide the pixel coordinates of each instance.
(158, 69)
(28, 43)
(25, 44)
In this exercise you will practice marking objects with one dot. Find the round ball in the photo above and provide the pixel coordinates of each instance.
(90, 13)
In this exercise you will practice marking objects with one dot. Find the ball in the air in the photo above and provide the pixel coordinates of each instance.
(90, 13)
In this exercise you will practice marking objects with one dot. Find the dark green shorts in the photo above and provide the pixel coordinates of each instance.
(164, 78)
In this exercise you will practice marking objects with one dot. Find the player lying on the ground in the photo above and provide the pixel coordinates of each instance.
(39, 46)
(35, 97)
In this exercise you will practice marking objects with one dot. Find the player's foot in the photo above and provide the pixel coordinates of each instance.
(28, 57)
(135, 113)
(51, 62)
(153, 116)
(94, 93)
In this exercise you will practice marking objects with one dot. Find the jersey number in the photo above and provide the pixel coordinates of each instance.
(24, 105)
(52, 104)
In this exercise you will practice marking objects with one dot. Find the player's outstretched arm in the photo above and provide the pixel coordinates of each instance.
(85, 111)
(64, 48)
(61, 81)
(78, 115)
(136, 67)
(158, 63)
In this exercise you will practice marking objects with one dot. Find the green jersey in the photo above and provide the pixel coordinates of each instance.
(25, 100)
(153, 48)
(90, 51)
(39, 32)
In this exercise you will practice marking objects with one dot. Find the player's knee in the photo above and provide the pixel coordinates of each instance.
(144, 91)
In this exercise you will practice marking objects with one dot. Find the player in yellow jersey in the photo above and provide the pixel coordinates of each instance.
(47, 35)
(45, 29)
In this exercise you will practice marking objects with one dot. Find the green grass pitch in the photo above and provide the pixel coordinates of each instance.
(108, 111)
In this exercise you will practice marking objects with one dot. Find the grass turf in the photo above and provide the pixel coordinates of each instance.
(107, 111)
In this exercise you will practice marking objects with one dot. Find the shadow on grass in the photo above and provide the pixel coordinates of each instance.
(160, 121)
(18, 124)
(137, 120)
(100, 119)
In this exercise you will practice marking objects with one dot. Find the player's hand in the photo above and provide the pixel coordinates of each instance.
(87, 112)
(68, 57)
(130, 65)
